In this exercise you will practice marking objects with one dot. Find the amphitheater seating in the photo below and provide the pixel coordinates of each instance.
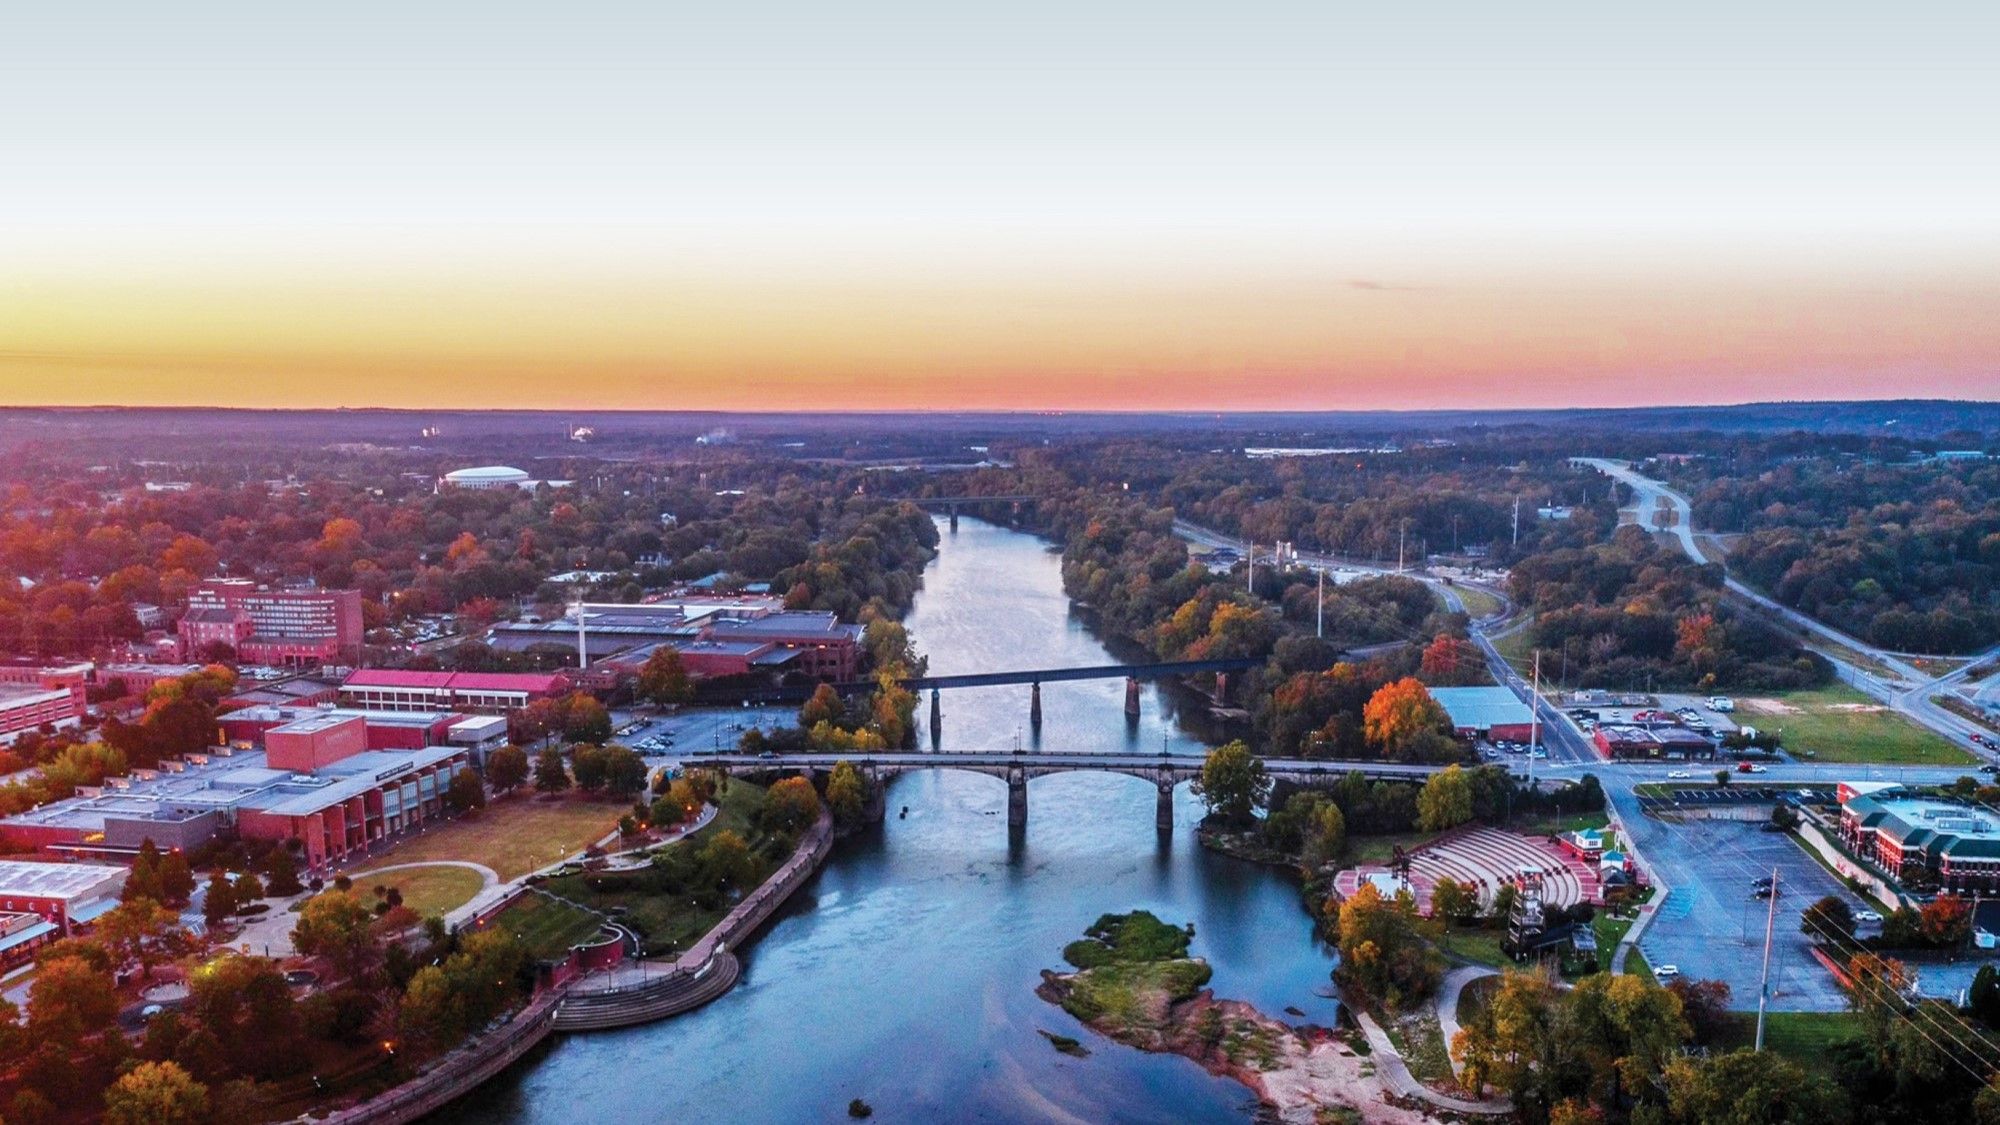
(1486, 858)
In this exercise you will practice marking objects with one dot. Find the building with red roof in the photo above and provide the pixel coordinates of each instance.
(396, 689)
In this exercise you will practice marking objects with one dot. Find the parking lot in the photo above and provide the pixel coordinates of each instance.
(707, 730)
(1712, 927)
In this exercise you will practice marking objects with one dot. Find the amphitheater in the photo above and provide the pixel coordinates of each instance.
(1485, 858)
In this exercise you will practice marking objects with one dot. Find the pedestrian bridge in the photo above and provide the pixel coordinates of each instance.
(1165, 771)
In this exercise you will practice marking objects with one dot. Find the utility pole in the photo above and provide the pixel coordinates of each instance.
(1764, 985)
(1402, 531)
(1535, 719)
(1250, 583)
(1517, 521)
(1319, 612)
(582, 636)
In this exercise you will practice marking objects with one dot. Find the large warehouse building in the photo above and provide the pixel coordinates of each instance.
(1486, 712)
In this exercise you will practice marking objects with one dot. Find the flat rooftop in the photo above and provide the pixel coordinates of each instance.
(282, 716)
(1482, 707)
(53, 880)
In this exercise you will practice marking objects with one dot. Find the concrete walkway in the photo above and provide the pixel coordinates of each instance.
(1447, 1004)
(1395, 1074)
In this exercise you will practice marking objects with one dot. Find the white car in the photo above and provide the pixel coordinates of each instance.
(1666, 972)
(1679, 775)
(1867, 916)
(1759, 769)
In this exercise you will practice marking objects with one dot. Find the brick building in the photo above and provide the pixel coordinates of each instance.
(265, 626)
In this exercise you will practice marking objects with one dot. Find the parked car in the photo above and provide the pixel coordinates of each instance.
(1678, 775)
(1666, 972)
(1867, 916)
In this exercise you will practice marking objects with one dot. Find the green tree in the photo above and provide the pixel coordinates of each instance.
(1233, 783)
(507, 769)
(1445, 800)
(175, 879)
(587, 764)
(156, 1093)
(1453, 902)
(245, 1002)
(281, 872)
(137, 929)
(466, 793)
(335, 925)
(550, 774)
(1746, 1087)
(1386, 947)
(1325, 836)
(727, 860)
(847, 793)
(624, 772)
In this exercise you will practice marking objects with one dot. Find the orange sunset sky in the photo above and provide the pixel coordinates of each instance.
(786, 206)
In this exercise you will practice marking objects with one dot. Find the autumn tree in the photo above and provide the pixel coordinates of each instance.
(1325, 836)
(663, 678)
(1450, 661)
(1445, 801)
(825, 706)
(156, 1093)
(1945, 921)
(1404, 723)
(139, 929)
(847, 793)
(790, 805)
(1747, 1087)
(1453, 902)
(1386, 947)
(1233, 783)
(727, 860)
(507, 768)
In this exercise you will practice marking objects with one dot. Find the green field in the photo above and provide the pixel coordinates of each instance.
(547, 927)
(1381, 849)
(1842, 725)
(1477, 947)
(426, 890)
(1478, 603)
(1802, 1037)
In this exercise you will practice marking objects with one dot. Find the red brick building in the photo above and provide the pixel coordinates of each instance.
(264, 626)
(32, 696)
(396, 689)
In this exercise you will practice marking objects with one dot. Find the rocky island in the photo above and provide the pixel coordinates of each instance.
(1135, 982)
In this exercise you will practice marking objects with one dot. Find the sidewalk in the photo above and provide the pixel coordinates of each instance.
(1395, 1074)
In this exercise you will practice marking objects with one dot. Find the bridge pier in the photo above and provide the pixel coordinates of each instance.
(937, 717)
(1017, 797)
(876, 808)
(1035, 705)
(954, 517)
(1222, 687)
(1131, 697)
(1163, 810)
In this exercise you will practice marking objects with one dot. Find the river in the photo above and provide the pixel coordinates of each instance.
(905, 974)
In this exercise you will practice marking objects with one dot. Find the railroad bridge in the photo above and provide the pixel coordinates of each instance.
(1165, 771)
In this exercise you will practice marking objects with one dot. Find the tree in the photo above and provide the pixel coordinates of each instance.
(1453, 901)
(727, 860)
(585, 719)
(847, 793)
(624, 772)
(507, 768)
(156, 1093)
(1325, 836)
(1450, 661)
(249, 889)
(1445, 800)
(587, 764)
(281, 872)
(1722, 777)
(1984, 996)
(1398, 718)
(1746, 1087)
(466, 793)
(143, 880)
(1877, 990)
(1705, 1006)
(825, 706)
(1385, 947)
(1945, 920)
(550, 774)
(176, 881)
(1830, 921)
(218, 905)
(663, 679)
(334, 925)
(1233, 783)
(790, 805)
(135, 929)
(69, 999)
(245, 1002)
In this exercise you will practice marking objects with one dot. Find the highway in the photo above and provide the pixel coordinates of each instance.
(1908, 694)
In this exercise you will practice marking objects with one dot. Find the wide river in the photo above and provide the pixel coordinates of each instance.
(905, 974)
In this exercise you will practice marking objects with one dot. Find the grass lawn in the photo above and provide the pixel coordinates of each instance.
(1517, 647)
(1381, 849)
(1421, 1043)
(547, 927)
(515, 835)
(1479, 947)
(1842, 725)
(426, 890)
(1802, 1037)
(1551, 825)
(1636, 966)
(670, 923)
(1478, 603)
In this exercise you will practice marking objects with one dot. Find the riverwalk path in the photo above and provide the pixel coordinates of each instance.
(1395, 1074)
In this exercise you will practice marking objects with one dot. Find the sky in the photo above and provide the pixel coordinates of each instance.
(879, 205)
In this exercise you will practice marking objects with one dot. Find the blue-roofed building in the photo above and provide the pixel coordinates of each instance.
(1486, 712)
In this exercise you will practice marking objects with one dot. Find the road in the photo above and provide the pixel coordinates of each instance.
(1909, 693)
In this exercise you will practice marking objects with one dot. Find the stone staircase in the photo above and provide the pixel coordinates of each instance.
(669, 995)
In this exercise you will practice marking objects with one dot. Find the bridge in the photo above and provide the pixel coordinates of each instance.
(1033, 677)
(951, 504)
(1165, 771)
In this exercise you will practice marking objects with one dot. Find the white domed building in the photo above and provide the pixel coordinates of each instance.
(488, 476)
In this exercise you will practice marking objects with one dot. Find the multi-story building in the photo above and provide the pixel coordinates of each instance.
(1922, 842)
(33, 697)
(265, 626)
(67, 895)
(394, 689)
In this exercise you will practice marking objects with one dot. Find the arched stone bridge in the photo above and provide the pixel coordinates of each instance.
(1016, 769)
